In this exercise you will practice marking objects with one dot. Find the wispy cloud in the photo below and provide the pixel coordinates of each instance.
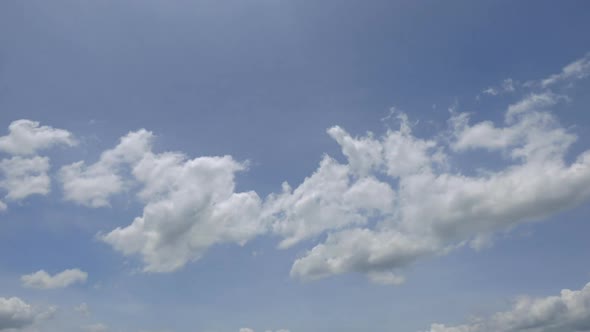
(576, 70)
(44, 280)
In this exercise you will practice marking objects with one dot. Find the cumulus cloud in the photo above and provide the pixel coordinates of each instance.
(25, 173)
(44, 280)
(23, 177)
(26, 137)
(420, 203)
(525, 126)
(93, 185)
(568, 311)
(397, 197)
(17, 314)
(189, 204)
(436, 210)
(328, 199)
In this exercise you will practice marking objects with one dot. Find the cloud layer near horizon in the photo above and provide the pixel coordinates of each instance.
(568, 311)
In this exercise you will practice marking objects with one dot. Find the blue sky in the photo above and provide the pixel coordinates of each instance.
(144, 146)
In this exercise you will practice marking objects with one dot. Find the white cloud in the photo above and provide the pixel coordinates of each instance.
(525, 124)
(26, 137)
(507, 85)
(93, 185)
(44, 280)
(569, 311)
(363, 250)
(385, 278)
(17, 314)
(190, 204)
(435, 210)
(23, 177)
(83, 309)
(26, 173)
(364, 154)
(576, 70)
(371, 208)
(396, 199)
(95, 328)
(329, 199)
(533, 102)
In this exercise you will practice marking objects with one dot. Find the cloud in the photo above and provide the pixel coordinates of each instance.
(461, 209)
(432, 206)
(396, 198)
(328, 199)
(576, 70)
(23, 177)
(83, 309)
(569, 311)
(93, 185)
(190, 204)
(569, 74)
(16, 314)
(508, 85)
(95, 328)
(26, 137)
(44, 280)
(533, 102)
(385, 278)
(518, 130)
(25, 173)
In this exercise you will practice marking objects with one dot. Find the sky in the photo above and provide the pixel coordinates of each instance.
(294, 166)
